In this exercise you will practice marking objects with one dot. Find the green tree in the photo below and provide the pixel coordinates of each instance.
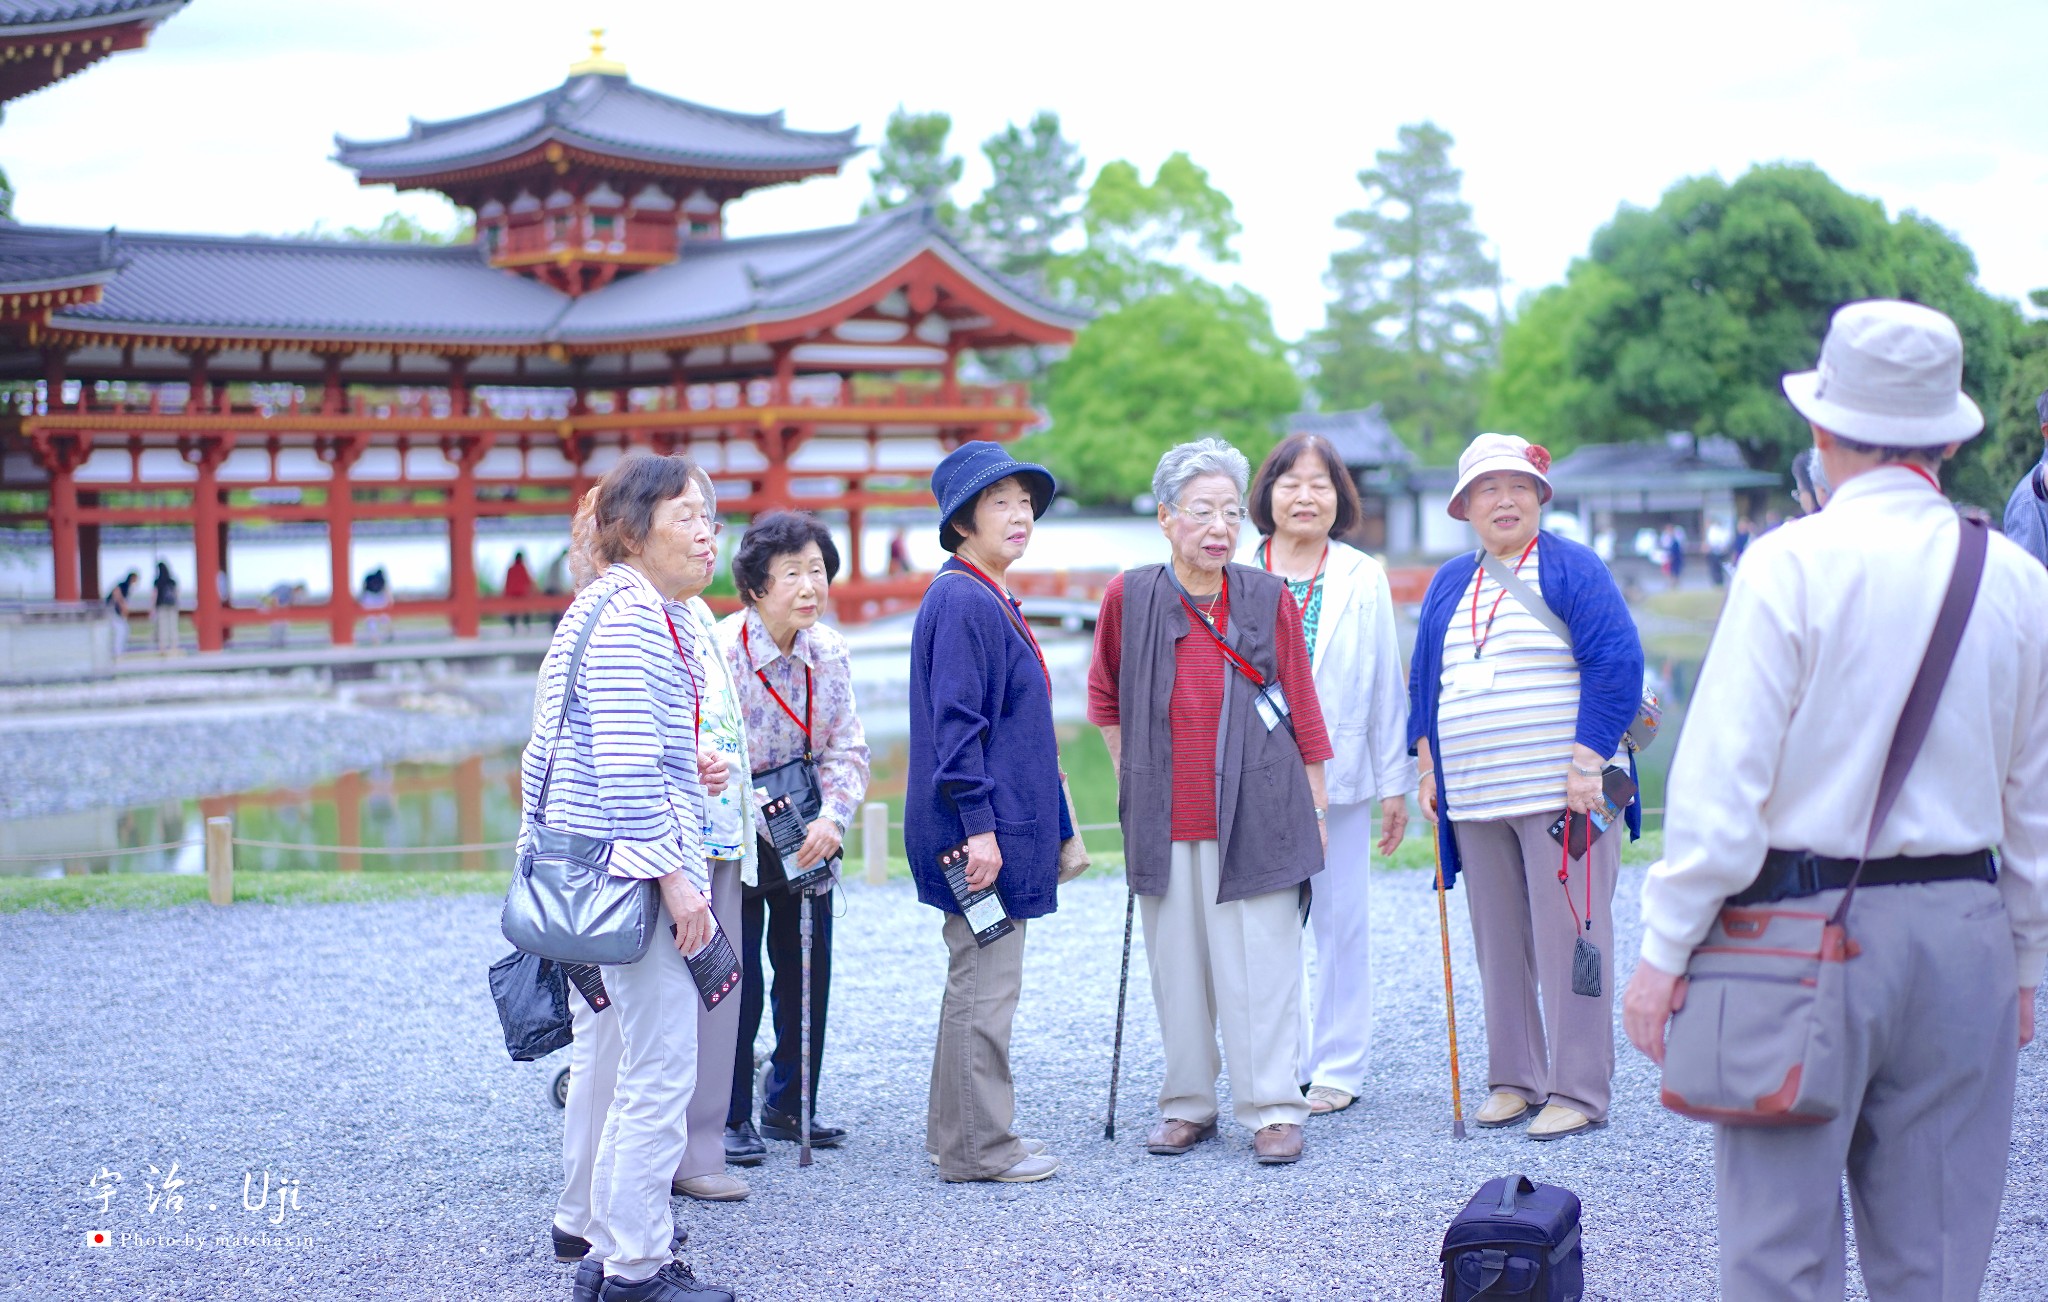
(1030, 202)
(396, 228)
(1195, 360)
(1140, 235)
(1685, 316)
(912, 165)
(1534, 392)
(1403, 329)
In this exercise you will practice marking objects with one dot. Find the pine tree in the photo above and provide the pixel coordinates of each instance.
(912, 165)
(1030, 202)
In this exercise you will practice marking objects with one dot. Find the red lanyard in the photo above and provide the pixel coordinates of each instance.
(696, 692)
(1564, 877)
(746, 645)
(1924, 473)
(1230, 653)
(1015, 618)
(1478, 582)
(1266, 563)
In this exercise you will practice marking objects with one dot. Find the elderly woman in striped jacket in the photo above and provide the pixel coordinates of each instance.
(1513, 726)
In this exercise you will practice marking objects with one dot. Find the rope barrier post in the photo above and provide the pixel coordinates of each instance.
(220, 859)
(874, 841)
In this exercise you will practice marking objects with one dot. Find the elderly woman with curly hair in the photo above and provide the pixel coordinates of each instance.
(1514, 726)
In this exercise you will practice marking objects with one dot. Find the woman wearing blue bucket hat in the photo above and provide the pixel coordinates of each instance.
(984, 771)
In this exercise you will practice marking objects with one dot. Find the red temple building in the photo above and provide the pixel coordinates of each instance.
(208, 381)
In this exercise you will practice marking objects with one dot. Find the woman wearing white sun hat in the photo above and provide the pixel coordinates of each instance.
(1513, 725)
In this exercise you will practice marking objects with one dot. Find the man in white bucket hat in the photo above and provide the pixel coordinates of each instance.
(1779, 766)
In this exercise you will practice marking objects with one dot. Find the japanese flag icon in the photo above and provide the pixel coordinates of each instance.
(97, 1238)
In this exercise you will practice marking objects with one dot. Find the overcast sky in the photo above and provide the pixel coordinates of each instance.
(1562, 111)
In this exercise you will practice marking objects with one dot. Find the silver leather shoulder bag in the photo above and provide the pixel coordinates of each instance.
(562, 903)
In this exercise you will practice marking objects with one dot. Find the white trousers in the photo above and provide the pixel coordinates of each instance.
(593, 1079)
(654, 1008)
(1340, 1037)
(1232, 967)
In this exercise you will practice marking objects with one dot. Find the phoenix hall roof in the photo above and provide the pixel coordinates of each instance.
(37, 17)
(608, 115)
(313, 291)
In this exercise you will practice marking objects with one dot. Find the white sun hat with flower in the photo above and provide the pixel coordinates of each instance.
(1491, 452)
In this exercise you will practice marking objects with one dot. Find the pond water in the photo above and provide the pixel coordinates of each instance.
(474, 799)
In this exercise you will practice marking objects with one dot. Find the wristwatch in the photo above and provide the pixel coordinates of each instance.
(1320, 813)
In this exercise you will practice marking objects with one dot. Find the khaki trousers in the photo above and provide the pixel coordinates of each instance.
(1234, 967)
(973, 1100)
(718, 1038)
(1932, 1046)
(1523, 930)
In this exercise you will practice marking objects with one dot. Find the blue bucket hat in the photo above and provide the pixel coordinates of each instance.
(972, 467)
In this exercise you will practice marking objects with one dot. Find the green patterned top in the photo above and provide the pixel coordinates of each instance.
(1311, 605)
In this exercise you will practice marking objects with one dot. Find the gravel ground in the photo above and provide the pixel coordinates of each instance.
(259, 1040)
(278, 734)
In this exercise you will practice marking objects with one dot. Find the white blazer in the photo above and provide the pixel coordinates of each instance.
(1360, 682)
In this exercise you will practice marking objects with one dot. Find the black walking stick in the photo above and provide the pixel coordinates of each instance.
(803, 1157)
(1123, 984)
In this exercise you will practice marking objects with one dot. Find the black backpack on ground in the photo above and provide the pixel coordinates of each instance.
(1516, 1241)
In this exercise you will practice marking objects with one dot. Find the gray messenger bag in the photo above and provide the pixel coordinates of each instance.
(563, 904)
(1761, 1037)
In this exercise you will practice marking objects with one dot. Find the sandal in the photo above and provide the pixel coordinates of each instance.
(1327, 1098)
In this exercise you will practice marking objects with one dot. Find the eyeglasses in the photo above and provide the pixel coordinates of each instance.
(689, 520)
(1204, 516)
(795, 579)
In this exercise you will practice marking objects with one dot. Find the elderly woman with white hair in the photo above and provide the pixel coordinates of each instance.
(1514, 725)
(1203, 691)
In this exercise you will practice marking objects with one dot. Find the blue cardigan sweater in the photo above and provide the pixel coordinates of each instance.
(1578, 587)
(983, 757)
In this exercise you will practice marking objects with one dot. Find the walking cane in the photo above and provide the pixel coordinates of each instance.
(803, 1157)
(1123, 984)
(1443, 922)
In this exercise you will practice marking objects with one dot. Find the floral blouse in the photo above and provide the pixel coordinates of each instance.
(838, 743)
(729, 834)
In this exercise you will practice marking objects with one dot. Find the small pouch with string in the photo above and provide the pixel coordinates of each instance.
(1585, 954)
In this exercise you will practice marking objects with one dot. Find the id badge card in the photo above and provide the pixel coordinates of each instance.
(1272, 705)
(1468, 677)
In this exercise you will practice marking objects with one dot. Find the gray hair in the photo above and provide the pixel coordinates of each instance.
(1187, 462)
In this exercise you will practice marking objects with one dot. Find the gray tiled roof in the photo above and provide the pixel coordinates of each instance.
(1677, 462)
(608, 115)
(731, 283)
(1362, 438)
(32, 17)
(33, 259)
(315, 289)
(199, 286)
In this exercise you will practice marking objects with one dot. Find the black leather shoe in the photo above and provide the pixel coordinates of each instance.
(588, 1282)
(776, 1125)
(743, 1146)
(568, 1247)
(672, 1283)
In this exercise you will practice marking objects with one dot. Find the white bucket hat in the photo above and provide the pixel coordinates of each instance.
(1890, 374)
(1491, 452)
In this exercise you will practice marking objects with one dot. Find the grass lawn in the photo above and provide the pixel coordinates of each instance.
(162, 890)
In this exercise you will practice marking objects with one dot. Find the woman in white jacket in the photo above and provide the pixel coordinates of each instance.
(1303, 503)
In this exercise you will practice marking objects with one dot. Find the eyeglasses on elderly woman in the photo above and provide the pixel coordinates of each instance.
(1203, 515)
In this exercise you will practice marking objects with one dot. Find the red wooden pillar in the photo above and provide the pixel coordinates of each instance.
(854, 519)
(785, 373)
(462, 590)
(333, 394)
(458, 386)
(89, 550)
(469, 810)
(341, 604)
(949, 378)
(209, 552)
(64, 527)
(348, 819)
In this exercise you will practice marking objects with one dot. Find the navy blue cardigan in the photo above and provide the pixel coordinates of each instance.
(1578, 587)
(983, 757)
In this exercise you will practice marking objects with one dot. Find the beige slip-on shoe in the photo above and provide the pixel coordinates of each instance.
(719, 1188)
(1556, 1121)
(1327, 1098)
(1032, 1148)
(1502, 1109)
(1029, 1170)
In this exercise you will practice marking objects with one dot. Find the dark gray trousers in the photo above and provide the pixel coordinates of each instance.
(1933, 1048)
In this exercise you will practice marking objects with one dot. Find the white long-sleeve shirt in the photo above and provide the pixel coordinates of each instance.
(1825, 625)
(1360, 682)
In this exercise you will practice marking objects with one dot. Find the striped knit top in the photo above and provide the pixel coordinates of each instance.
(626, 768)
(1505, 725)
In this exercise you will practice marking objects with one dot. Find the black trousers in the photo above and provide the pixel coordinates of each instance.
(777, 916)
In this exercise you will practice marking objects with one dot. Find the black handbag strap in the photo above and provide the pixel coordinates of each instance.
(1918, 714)
(547, 776)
